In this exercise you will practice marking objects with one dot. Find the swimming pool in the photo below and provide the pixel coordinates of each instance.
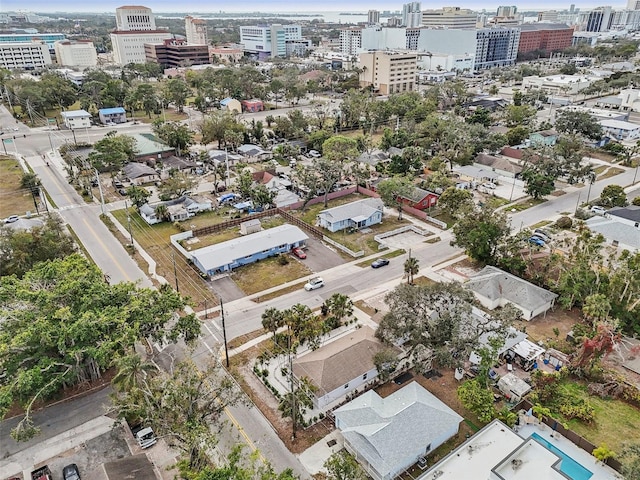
(568, 465)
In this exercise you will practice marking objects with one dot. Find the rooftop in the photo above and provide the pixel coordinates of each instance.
(631, 212)
(619, 124)
(362, 208)
(75, 114)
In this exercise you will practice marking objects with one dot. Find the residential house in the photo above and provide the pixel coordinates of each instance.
(500, 165)
(76, 119)
(254, 153)
(225, 256)
(177, 209)
(495, 288)
(231, 105)
(620, 226)
(421, 199)
(178, 163)
(252, 106)
(148, 146)
(282, 187)
(139, 173)
(360, 214)
(112, 115)
(340, 367)
(475, 174)
(491, 103)
(543, 138)
(388, 435)
(620, 129)
(224, 157)
(374, 158)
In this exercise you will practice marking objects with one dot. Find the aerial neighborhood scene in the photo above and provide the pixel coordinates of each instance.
(266, 241)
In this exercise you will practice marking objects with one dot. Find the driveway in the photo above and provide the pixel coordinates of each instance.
(320, 257)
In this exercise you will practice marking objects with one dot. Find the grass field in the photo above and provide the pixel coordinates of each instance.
(13, 199)
(268, 273)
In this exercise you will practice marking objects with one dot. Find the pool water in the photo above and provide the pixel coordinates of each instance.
(568, 465)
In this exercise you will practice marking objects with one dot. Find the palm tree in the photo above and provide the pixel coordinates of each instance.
(338, 306)
(162, 212)
(132, 371)
(411, 267)
(272, 320)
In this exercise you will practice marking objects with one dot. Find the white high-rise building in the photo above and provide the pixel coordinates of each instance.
(373, 17)
(350, 40)
(25, 55)
(633, 4)
(411, 14)
(196, 29)
(449, 17)
(135, 26)
(76, 53)
(270, 40)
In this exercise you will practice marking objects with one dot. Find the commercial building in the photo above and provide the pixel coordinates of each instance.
(373, 17)
(268, 40)
(176, 53)
(135, 27)
(411, 14)
(449, 17)
(388, 72)
(544, 37)
(226, 54)
(112, 115)
(496, 47)
(76, 119)
(558, 84)
(24, 56)
(49, 38)
(196, 29)
(507, 11)
(620, 130)
(350, 40)
(76, 53)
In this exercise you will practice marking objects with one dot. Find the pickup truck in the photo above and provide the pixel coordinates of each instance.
(42, 473)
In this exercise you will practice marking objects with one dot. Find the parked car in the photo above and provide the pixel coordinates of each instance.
(94, 183)
(117, 183)
(71, 472)
(546, 233)
(298, 252)
(122, 192)
(380, 262)
(11, 219)
(314, 283)
(145, 437)
(541, 235)
(598, 210)
(536, 241)
(314, 154)
(489, 185)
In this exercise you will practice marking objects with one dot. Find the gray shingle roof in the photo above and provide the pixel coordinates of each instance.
(493, 283)
(136, 170)
(631, 212)
(385, 431)
(365, 208)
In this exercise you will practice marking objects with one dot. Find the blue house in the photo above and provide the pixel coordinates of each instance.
(112, 115)
(360, 214)
(225, 256)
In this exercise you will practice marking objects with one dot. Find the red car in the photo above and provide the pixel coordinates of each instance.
(298, 252)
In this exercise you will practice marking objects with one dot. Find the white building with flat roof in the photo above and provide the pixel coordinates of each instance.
(450, 17)
(558, 84)
(74, 119)
(24, 56)
(135, 26)
(76, 53)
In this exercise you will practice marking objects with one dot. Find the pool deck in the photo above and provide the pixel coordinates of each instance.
(600, 471)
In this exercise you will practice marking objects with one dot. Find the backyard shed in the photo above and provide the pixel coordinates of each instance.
(250, 226)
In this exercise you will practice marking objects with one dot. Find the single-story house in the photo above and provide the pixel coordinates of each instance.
(178, 209)
(112, 115)
(252, 106)
(421, 199)
(148, 146)
(495, 288)
(341, 366)
(178, 163)
(76, 119)
(139, 173)
(225, 256)
(231, 105)
(513, 387)
(620, 129)
(620, 226)
(629, 215)
(544, 138)
(499, 165)
(373, 158)
(222, 156)
(388, 435)
(360, 214)
(254, 153)
(477, 174)
(491, 103)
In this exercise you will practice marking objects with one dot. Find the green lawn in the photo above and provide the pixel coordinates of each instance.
(523, 205)
(14, 200)
(268, 273)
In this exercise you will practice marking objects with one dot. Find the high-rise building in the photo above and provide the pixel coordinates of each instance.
(196, 29)
(411, 14)
(496, 47)
(633, 4)
(76, 53)
(350, 40)
(548, 16)
(24, 55)
(388, 72)
(373, 17)
(269, 40)
(135, 26)
(507, 11)
(449, 17)
(598, 20)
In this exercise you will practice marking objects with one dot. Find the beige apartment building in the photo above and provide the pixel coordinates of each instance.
(76, 53)
(449, 17)
(388, 72)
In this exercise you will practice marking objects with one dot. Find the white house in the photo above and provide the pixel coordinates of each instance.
(341, 366)
(360, 214)
(178, 209)
(76, 119)
(495, 288)
(620, 226)
(620, 130)
(388, 435)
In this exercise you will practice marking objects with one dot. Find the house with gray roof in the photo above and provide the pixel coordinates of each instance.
(178, 209)
(388, 435)
(225, 256)
(360, 214)
(224, 157)
(254, 153)
(499, 165)
(495, 288)
(139, 173)
(341, 366)
(620, 226)
(375, 157)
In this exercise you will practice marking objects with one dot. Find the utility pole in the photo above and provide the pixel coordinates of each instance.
(102, 198)
(224, 333)
(126, 207)
(30, 112)
(175, 270)
(293, 392)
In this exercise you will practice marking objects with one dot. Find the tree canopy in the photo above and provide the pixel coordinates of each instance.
(480, 232)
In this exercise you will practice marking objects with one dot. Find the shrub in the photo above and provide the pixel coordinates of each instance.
(283, 260)
(564, 223)
(580, 409)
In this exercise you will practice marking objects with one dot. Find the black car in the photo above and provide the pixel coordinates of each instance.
(381, 262)
(71, 472)
(122, 192)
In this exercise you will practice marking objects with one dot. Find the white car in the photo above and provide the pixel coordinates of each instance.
(314, 283)
(598, 210)
(11, 219)
(314, 154)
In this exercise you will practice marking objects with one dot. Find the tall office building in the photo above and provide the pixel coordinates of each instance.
(135, 26)
(373, 17)
(509, 11)
(633, 4)
(411, 14)
(598, 20)
(388, 72)
(196, 29)
(269, 40)
(496, 47)
(449, 17)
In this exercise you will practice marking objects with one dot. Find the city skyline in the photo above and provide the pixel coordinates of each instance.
(201, 6)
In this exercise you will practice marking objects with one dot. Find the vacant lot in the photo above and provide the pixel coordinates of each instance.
(13, 199)
(268, 273)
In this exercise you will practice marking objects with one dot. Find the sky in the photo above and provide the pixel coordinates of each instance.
(188, 6)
